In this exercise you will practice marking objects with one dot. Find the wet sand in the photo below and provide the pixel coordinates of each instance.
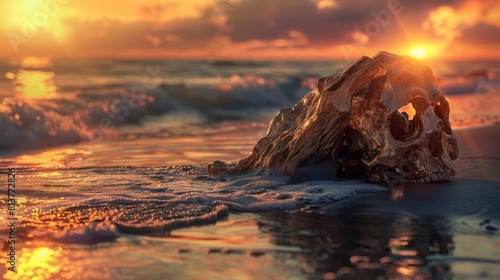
(476, 186)
(428, 231)
(418, 231)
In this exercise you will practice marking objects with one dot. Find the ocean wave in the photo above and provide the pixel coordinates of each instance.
(41, 123)
(90, 113)
(479, 85)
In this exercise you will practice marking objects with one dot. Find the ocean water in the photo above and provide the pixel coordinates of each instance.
(110, 159)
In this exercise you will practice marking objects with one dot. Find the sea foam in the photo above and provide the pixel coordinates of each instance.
(41, 123)
(155, 207)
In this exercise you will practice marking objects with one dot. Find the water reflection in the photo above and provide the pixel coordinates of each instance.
(35, 84)
(36, 263)
(37, 62)
(362, 246)
(34, 79)
(52, 159)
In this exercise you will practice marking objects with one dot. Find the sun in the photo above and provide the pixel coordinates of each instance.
(418, 52)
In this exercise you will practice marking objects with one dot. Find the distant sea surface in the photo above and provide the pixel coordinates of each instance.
(51, 103)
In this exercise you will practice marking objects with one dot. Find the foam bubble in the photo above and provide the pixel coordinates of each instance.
(191, 199)
(95, 113)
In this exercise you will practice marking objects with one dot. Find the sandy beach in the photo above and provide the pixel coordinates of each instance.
(417, 231)
(441, 230)
(479, 153)
(436, 230)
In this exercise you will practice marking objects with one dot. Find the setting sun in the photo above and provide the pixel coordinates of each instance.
(418, 52)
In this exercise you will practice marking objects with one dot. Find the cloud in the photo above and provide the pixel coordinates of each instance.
(481, 34)
(108, 33)
(326, 25)
(258, 25)
(371, 24)
(272, 20)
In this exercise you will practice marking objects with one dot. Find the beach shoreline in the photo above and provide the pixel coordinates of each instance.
(362, 231)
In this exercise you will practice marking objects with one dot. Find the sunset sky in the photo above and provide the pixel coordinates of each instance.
(249, 29)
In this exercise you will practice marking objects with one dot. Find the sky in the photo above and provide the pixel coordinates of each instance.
(249, 29)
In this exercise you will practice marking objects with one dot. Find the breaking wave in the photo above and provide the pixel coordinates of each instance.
(94, 111)
(72, 118)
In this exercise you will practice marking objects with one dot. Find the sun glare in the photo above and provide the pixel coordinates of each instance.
(408, 109)
(418, 52)
(37, 263)
(35, 84)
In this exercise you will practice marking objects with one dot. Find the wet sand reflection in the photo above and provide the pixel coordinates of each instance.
(362, 246)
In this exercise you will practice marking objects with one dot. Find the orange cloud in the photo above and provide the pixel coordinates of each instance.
(252, 28)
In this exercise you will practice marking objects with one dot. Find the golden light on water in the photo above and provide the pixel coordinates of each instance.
(37, 263)
(35, 84)
(51, 159)
(418, 52)
(33, 80)
(36, 62)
